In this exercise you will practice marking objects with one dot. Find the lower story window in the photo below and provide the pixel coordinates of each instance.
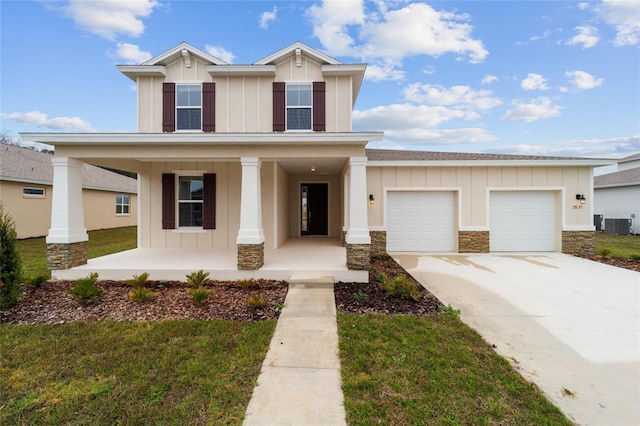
(190, 196)
(122, 204)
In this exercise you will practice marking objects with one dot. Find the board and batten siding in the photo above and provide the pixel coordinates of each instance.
(473, 185)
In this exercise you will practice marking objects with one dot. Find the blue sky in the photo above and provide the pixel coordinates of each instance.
(516, 77)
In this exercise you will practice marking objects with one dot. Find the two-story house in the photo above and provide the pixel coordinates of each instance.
(243, 157)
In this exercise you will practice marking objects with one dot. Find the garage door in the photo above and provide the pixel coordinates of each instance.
(420, 221)
(522, 221)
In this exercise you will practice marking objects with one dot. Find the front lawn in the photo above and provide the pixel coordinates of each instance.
(620, 246)
(409, 370)
(108, 373)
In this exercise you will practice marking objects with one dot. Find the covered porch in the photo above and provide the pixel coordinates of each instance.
(297, 258)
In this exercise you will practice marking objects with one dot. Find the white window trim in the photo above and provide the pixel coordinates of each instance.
(187, 173)
(188, 83)
(287, 107)
(128, 204)
(43, 195)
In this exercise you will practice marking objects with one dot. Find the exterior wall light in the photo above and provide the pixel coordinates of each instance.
(581, 198)
(371, 199)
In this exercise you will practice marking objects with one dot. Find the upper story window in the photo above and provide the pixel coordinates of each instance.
(188, 107)
(299, 106)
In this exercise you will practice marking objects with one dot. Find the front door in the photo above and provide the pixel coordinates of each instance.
(314, 205)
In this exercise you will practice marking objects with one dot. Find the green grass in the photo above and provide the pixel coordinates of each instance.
(108, 373)
(402, 370)
(33, 251)
(620, 246)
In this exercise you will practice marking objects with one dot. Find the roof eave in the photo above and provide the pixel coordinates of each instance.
(241, 70)
(489, 163)
(135, 71)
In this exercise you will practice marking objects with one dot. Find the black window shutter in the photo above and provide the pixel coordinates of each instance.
(319, 123)
(168, 201)
(209, 107)
(209, 201)
(279, 108)
(168, 107)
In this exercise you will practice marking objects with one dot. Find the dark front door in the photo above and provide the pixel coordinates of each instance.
(314, 205)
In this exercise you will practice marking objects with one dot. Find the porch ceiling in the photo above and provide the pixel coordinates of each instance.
(313, 166)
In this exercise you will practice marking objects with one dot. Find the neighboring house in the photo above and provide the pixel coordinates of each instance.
(236, 157)
(26, 176)
(617, 198)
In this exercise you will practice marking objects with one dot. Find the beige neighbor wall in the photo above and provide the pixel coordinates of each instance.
(472, 187)
(245, 103)
(32, 215)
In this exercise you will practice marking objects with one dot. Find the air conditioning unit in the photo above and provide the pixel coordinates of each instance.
(617, 226)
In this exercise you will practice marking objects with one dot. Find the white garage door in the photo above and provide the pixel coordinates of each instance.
(522, 221)
(420, 221)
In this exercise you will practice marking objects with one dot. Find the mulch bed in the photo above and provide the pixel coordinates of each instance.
(633, 265)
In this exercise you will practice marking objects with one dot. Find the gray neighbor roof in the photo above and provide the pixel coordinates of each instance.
(29, 166)
(400, 155)
(622, 178)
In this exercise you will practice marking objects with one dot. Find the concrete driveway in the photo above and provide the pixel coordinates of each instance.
(568, 324)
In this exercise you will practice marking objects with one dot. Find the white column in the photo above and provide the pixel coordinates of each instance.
(358, 223)
(67, 211)
(251, 231)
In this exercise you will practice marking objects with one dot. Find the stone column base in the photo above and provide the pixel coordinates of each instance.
(358, 257)
(378, 243)
(473, 242)
(579, 243)
(66, 255)
(250, 256)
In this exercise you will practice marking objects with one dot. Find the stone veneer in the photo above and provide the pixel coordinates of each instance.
(578, 242)
(66, 255)
(250, 256)
(378, 243)
(358, 257)
(473, 241)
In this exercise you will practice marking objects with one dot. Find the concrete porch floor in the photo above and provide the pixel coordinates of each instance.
(297, 258)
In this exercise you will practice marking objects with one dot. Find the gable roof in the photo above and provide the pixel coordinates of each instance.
(401, 157)
(26, 165)
(622, 178)
(289, 51)
(177, 52)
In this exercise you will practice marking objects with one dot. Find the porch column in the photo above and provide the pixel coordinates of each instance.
(67, 238)
(250, 239)
(358, 239)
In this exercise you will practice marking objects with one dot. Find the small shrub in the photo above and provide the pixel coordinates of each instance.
(246, 283)
(449, 310)
(142, 294)
(605, 251)
(10, 263)
(36, 281)
(635, 256)
(360, 296)
(256, 301)
(402, 287)
(380, 277)
(138, 280)
(200, 294)
(198, 279)
(85, 289)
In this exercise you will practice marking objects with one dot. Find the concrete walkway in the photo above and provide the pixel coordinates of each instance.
(300, 382)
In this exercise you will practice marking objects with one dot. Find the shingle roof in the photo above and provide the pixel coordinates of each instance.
(399, 155)
(622, 178)
(632, 157)
(27, 165)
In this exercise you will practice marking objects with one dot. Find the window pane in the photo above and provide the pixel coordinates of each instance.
(190, 214)
(188, 95)
(189, 119)
(125, 209)
(125, 199)
(299, 119)
(118, 209)
(298, 95)
(118, 199)
(33, 191)
(190, 188)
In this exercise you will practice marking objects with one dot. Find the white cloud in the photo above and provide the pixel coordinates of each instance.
(462, 97)
(587, 36)
(534, 82)
(347, 28)
(39, 119)
(488, 79)
(624, 15)
(583, 80)
(604, 148)
(383, 71)
(536, 109)
(108, 18)
(404, 117)
(268, 17)
(220, 53)
(131, 53)
(418, 137)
